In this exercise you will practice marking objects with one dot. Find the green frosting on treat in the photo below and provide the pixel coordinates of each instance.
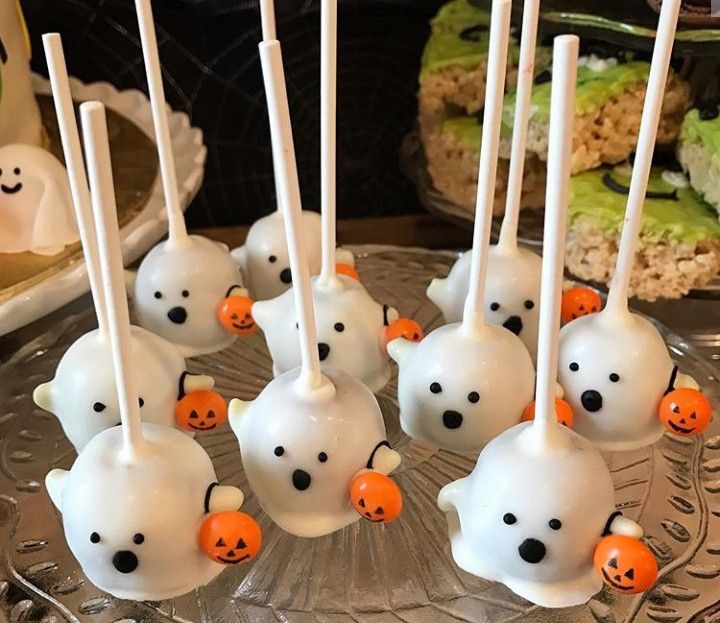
(703, 132)
(458, 15)
(467, 129)
(683, 216)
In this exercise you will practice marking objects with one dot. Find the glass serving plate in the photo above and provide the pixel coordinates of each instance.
(365, 573)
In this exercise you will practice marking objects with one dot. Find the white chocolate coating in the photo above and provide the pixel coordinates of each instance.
(159, 494)
(35, 202)
(494, 365)
(620, 414)
(191, 279)
(264, 277)
(301, 493)
(350, 327)
(19, 112)
(83, 394)
(535, 482)
(513, 284)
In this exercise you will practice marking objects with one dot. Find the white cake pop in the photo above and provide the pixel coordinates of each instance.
(467, 382)
(151, 486)
(512, 291)
(614, 366)
(310, 435)
(35, 202)
(20, 120)
(183, 282)
(540, 498)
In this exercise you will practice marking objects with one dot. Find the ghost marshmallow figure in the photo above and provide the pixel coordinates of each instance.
(35, 202)
(540, 498)
(309, 434)
(181, 282)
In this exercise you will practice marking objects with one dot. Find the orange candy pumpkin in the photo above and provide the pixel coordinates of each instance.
(376, 497)
(235, 314)
(347, 270)
(403, 327)
(578, 302)
(563, 410)
(685, 411)
(201, 410)
(627, 565)
(230, 537)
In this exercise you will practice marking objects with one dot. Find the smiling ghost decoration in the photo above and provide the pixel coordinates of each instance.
(35, 202)
(534, 510)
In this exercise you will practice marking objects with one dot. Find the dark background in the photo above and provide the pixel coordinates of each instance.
(212, 71)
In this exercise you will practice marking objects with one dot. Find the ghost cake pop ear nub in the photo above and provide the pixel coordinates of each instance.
(614, 366)
(182, 283)
(467, 382)
(309, 434)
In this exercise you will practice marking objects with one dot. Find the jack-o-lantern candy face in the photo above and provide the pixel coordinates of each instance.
(626, 564)
(230, 537)
(685, 411)
(376, 497)
(403, 327)
(563, 410)
(201, 410)
(577, 302)
(235, 314)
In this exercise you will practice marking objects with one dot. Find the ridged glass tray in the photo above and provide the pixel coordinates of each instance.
(365, 573)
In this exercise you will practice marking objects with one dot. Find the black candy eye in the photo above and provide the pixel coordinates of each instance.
(509, 519)
(529, 304)
(630, 574)
(16, 171)
(141, 402)
(574, 367)
(494, 306)
(322, 457)
(272, 259)
(473, 397)
(139, 539)
(94, 537)
(185, 293)
(614, 377)
(220, 543)
(98, 407)
(158, 294)
(339, 327)
(435, 388)
(555, 524)
(279, 451)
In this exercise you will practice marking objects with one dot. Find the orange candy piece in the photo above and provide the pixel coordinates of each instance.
(347, 270)
(563, 410)
(235, 314)
(578, 302)
(201, 410)
(403, 327)
(376, 497)
(685, 411)
(230, 537)
(627, 565)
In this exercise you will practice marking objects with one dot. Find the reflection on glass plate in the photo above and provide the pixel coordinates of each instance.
(365, 573)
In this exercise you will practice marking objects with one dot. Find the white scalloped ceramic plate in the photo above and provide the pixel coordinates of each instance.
(138, 235)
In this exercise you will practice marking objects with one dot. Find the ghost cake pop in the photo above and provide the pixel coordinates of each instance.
(182, 286)
(312, 440)
(350, 323)
(513, 274)
(467, 382)
(614, 365)
(152, 488)
(83, 394)
(533, 512)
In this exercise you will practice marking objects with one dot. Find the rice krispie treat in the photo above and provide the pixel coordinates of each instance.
(452, 155)
(679, 245)
(699, 151)
(608, 104)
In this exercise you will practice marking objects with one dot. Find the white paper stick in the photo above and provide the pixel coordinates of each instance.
(267, 20)
(97, 150)
(473, 314)
(76, 170)
(328, 136)
(177, 232)
(290, 202)
(562, 116)
(526, 72)
(617, 305)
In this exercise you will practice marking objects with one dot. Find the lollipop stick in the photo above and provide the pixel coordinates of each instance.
(654, 95)
(526, 70)
(287, 179)
(97, 149)
(473, 316)
(267, 20)
(177, 232)
(328, 101)
(562, 115)
(76, 170)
